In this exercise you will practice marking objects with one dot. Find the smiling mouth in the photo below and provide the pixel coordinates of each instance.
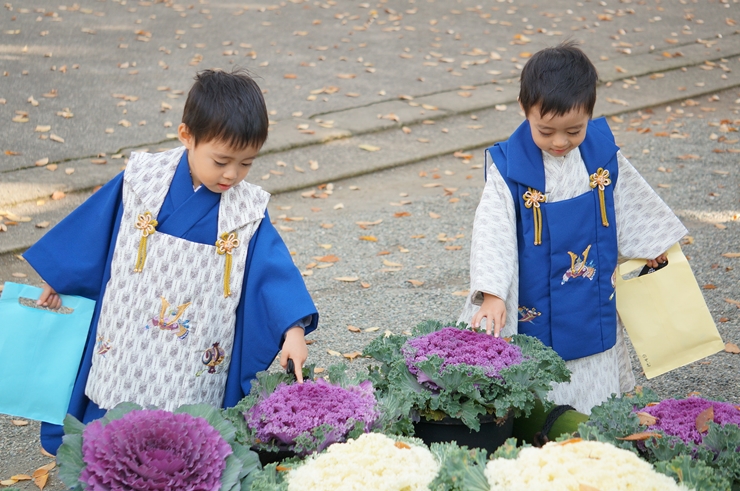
(224, 186)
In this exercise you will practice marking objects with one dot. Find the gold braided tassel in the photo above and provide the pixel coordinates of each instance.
(532, 199)
(225, 246)
(601, 179)
(147, 225)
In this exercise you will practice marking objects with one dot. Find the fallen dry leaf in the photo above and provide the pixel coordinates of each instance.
(640, 436)
(347, 279)
(461, 293)
(369, 148)
(703, 419)
(732, 348)
(353, 329)
(330, 258)
(333, 353)
(372, 329)
(434, 215)
(19, 422)
(731, 254)
(415, 282)
(21, 477)
(43, 224)
(41, 162)
(369, 238)
(8, 482)
(709, 286)
(391, 264)
(647, 419)
(353, 355)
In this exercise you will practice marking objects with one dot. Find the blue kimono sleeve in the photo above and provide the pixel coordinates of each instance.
(274, 298)
(72, 257)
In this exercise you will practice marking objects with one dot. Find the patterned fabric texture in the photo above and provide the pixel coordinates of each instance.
(646, 228)
(165, 334)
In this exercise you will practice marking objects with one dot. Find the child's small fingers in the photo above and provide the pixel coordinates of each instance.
(299, 372)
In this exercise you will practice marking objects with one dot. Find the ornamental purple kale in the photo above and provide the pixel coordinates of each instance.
(678, 417)
(153, 450)
(298, 410)
(461, 347)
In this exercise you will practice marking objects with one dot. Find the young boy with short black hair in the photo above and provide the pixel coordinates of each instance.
(560, 204)
(196, 291)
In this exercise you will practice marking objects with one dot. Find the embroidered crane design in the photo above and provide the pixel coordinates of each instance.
(579, 267)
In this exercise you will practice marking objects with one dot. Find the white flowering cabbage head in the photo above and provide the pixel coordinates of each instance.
(576, 465)
(373, 461)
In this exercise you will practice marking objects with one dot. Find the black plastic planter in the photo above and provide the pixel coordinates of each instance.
(493, 432)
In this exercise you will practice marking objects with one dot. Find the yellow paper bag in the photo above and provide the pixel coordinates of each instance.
(665, 315)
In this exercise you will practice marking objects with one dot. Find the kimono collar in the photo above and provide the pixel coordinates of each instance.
(525, 157)
(150, 177)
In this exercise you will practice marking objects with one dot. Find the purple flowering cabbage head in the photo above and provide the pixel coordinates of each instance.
(678, 417)
(458, 347)
(153, 450)
(297, 409)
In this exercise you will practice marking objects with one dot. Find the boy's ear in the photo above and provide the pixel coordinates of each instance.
(183, 134)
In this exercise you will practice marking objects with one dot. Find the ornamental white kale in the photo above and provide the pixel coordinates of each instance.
(371, 462)
(447, 370)
(576, 465)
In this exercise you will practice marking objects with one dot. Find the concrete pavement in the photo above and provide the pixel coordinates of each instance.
(85, 84)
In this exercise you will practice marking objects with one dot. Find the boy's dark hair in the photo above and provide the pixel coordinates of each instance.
(559, 79)
(228, 107)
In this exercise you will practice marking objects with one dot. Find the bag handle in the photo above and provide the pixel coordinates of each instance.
(673, 254)
(31, 304)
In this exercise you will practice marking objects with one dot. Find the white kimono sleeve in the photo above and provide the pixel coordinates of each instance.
(494, 260)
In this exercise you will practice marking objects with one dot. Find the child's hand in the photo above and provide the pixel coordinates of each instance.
(653, 263)
(294, 347)
(49, 298)
(493, 310)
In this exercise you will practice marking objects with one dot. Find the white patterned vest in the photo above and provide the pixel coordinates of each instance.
(166, 332)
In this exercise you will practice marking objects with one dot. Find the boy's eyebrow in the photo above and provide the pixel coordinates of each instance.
(575, 126)
(221, 156)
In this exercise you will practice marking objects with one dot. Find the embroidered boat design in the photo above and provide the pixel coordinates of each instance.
(527, 314)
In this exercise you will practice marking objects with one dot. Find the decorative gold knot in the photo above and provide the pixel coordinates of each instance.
(600, 179)
(147, 224)
(225, 247)
(227, 243)
(532, 199)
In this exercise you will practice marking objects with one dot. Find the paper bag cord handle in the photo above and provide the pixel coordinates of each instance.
(31, 303)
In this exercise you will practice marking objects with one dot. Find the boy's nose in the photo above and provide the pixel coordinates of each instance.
(560, 141)
(230, 174)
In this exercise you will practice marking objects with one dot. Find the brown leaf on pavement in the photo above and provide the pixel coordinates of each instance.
(732, 348)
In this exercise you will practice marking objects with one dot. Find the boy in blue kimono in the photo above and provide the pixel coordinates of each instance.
(560, 204)
(205, 318)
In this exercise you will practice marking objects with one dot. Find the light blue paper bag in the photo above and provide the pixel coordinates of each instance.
(40, 352)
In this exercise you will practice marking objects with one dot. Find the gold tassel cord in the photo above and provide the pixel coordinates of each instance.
(225, 246)
(532, 199)
(601, 179)
(147, 224)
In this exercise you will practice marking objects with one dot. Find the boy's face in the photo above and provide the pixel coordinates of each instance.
(215, 164)
(558, 135)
